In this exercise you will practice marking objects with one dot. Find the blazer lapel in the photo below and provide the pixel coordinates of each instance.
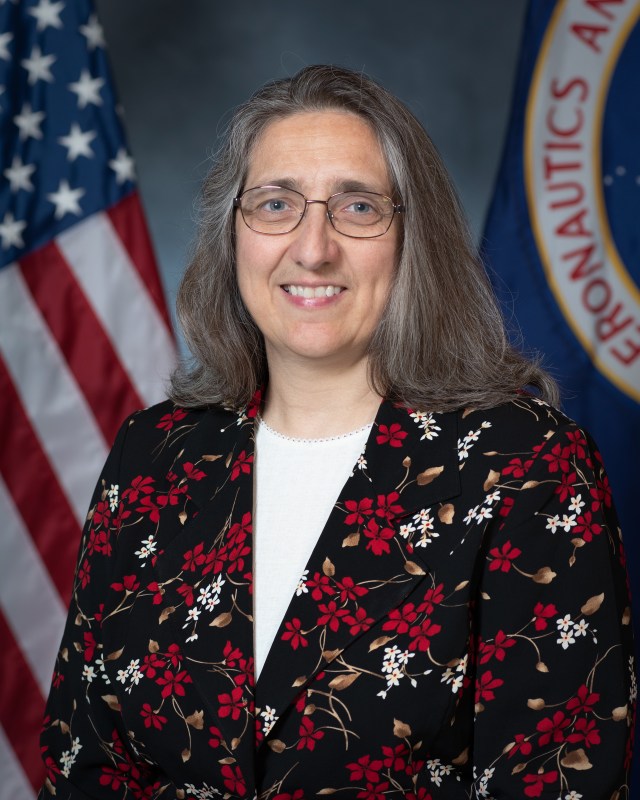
(409, 467)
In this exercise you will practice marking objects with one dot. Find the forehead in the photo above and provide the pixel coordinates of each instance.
(318, 150)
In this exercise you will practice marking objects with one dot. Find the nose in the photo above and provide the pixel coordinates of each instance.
(314, 240)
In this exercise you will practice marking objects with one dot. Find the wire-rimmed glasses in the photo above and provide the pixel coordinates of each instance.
(275, 210)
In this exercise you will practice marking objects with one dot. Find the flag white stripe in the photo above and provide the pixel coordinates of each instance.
(14, 782)
(121, 302)
(29, 600)
(49, 393)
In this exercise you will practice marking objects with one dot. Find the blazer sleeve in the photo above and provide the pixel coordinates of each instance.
(83, 744)
(554, 672)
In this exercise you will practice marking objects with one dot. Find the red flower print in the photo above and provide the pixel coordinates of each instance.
(485, 684)
(231, 655)
(374, 792)
(216, 560)
(379, 537)
(551, 728)
(129, 584)
(89, 645)
(138, 485)
(308, 735)
(171, 498)
(152, 718)
(506, 506)
(253, 409)
(187, 592)
(294, 634)
(392, 435)
(358, 510)
(216, 737)
(192, 472)
(578, 442)
(521, 745)
(401, 620)
(585, 731)
(359, 622)
(349, 589)
(84, 573)
(118, 520)
(586, 527)
(601, 493)
(421, 635)
(242, 464)
(101, 514)
(194, 558)
(542, 614)
(158, 593)
(497, 648)
(114, 777)
(365, 769)
(387, 506)
(558, 458)
(174, 656)
(432, 598)
(57, 679)
(231, 704)
(298, 794)
(233, 779)
(150, 663)
(396, 757)
(517, 468)
(169, 420)
(583, 701)
(422, 794)
(99, 543)
(537, 782)
(503, 557)
(147, 506)
(319, 585)
(567, 486)
(331, 615)
(172, 684)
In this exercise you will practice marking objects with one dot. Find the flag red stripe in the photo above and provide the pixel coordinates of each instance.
(21, 707)
(28, 474)
(80, 336)
(127, 218)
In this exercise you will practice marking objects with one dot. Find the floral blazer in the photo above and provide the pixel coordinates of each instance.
(461, 630)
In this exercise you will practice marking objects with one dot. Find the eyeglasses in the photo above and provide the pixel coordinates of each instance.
(274, 210)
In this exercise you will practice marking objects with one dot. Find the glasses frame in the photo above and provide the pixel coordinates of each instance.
(398, 208)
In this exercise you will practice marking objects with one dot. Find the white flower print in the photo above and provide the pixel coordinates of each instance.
(205, 793)
(112, 494)
(427, 423)
(483, 513)
(270, 719)
(576, 504)
(573, 796)
(566, 638)
(463, 450)
(471, 515)
(68, 757)
(493, 497)
(580, 628)
(633, 689)
(568, 522)
(301, 588)
(192, 615)
(564, 623)
(361, 463)
(406, 530)
(148, 549)
(88, 673)
(553, 522)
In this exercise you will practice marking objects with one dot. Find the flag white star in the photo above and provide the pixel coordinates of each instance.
(123, 166)
(29, 122)
(66, 200)
(47, 14)
(11, 231)
(78, 142)
(5, 38)
(93, 33)
(87, 89)
(19, 175)
(38, 66)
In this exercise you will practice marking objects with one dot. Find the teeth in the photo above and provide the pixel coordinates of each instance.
(308, 291)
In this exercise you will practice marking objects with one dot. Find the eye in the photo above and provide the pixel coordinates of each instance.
(360, 207)
(275, 204)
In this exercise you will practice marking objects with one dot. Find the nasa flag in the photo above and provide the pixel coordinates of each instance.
(562, 240)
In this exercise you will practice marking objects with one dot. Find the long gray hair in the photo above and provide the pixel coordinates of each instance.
(441, 342)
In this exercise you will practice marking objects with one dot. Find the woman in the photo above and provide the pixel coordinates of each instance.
(440, 606)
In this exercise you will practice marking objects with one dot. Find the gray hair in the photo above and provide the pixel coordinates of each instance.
(441, 341)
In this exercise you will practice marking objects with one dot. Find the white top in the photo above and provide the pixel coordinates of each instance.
(297, 484)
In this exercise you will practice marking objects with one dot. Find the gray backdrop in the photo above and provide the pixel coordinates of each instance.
(181, 67)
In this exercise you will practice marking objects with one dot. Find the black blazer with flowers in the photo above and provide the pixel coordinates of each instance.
(461, 630)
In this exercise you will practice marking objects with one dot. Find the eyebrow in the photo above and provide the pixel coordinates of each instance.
(346, 185)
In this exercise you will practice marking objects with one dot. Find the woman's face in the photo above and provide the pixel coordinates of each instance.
(317, 154)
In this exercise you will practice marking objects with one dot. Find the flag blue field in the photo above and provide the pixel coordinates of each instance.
(562, 239)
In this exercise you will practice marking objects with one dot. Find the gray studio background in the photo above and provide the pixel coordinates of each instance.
(181, 67)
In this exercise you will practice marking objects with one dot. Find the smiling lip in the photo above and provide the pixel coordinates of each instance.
(311, 292)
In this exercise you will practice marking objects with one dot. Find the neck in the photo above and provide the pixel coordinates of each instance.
(309, 401)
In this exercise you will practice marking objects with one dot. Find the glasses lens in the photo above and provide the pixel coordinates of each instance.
(271, 209)
(361, 214)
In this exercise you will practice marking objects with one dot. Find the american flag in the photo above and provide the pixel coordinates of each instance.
(85, 337)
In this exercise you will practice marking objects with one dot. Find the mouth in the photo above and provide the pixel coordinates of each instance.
(312, 291)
